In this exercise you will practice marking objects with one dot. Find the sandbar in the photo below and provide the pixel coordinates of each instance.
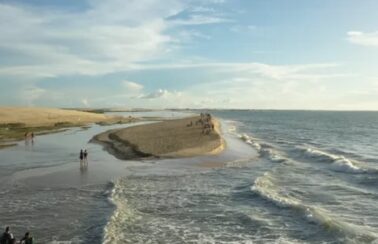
(167, 139)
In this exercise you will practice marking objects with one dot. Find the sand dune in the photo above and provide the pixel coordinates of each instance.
(15, 122)
(46, 116)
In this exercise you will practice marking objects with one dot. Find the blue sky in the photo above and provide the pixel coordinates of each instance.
(261, 54)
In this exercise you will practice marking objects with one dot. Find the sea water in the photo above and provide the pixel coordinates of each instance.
(286, 177)
(314, 181)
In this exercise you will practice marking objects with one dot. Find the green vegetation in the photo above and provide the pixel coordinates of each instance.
(11, 132)
(7, 145)
(16, 131)
(118, 120)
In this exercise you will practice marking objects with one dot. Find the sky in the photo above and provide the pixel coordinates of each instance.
(247, 54)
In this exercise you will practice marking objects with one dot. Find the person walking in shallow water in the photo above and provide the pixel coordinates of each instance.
(82, 160)
(85, 154)
(81, 156)
(32, 137)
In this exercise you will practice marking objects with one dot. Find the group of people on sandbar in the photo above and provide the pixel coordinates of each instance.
(206, 122)
(8, 238)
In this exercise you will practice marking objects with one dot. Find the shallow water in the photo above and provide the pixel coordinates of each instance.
(43, 188)
(286, 177)
(314, 181)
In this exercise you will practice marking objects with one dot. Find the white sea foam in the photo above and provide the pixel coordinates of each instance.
(264, 149)
(266, 188)
(239, 163)
(251, 141)
(338, 162)
(122, 213)
(231, 126)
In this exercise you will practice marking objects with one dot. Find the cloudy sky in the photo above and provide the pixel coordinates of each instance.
(263, 54)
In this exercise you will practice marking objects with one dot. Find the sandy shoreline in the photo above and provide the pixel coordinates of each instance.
(16, 121)
(167, 139)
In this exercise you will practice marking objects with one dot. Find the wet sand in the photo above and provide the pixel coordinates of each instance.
(167, 139)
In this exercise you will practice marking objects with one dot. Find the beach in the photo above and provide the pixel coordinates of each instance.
(44, 189)
(15, 122)
(172, 138)
(272, 183)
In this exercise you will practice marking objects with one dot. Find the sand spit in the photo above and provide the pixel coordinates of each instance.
(168, 139)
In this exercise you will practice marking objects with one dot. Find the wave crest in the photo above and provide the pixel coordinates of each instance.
(264, 149)
(338, 162)
(266, 188)
(113, 230)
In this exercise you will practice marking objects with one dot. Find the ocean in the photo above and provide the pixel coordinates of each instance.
(286, 177)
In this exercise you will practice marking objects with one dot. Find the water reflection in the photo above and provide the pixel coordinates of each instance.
(83, 166)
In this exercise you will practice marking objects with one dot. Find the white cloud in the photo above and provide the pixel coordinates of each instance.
(85, 102)
(189, 36)
(242, 29)
(155, 94)
(278, 72)
(363, 39)
(216, 1)
(108, 37)
(197, 19)
(256, 85)
(132, 86)
(112, 36)
(201, 9)
(31, 93)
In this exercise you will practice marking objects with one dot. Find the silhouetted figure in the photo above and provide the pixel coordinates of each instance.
(27, 239)
(32, 137)
(81, 156)
(7, 237)
(85, 154)
(26, 138)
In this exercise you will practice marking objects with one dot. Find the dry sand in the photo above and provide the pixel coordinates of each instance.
(171, 138)
(16, 121)
(46, 116)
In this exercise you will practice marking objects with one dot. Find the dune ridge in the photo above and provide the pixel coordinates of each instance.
(16, 121)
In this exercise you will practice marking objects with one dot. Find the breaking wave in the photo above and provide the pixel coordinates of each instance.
(338, 162)
(267, 189)
(113, 230)
(264, 149)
